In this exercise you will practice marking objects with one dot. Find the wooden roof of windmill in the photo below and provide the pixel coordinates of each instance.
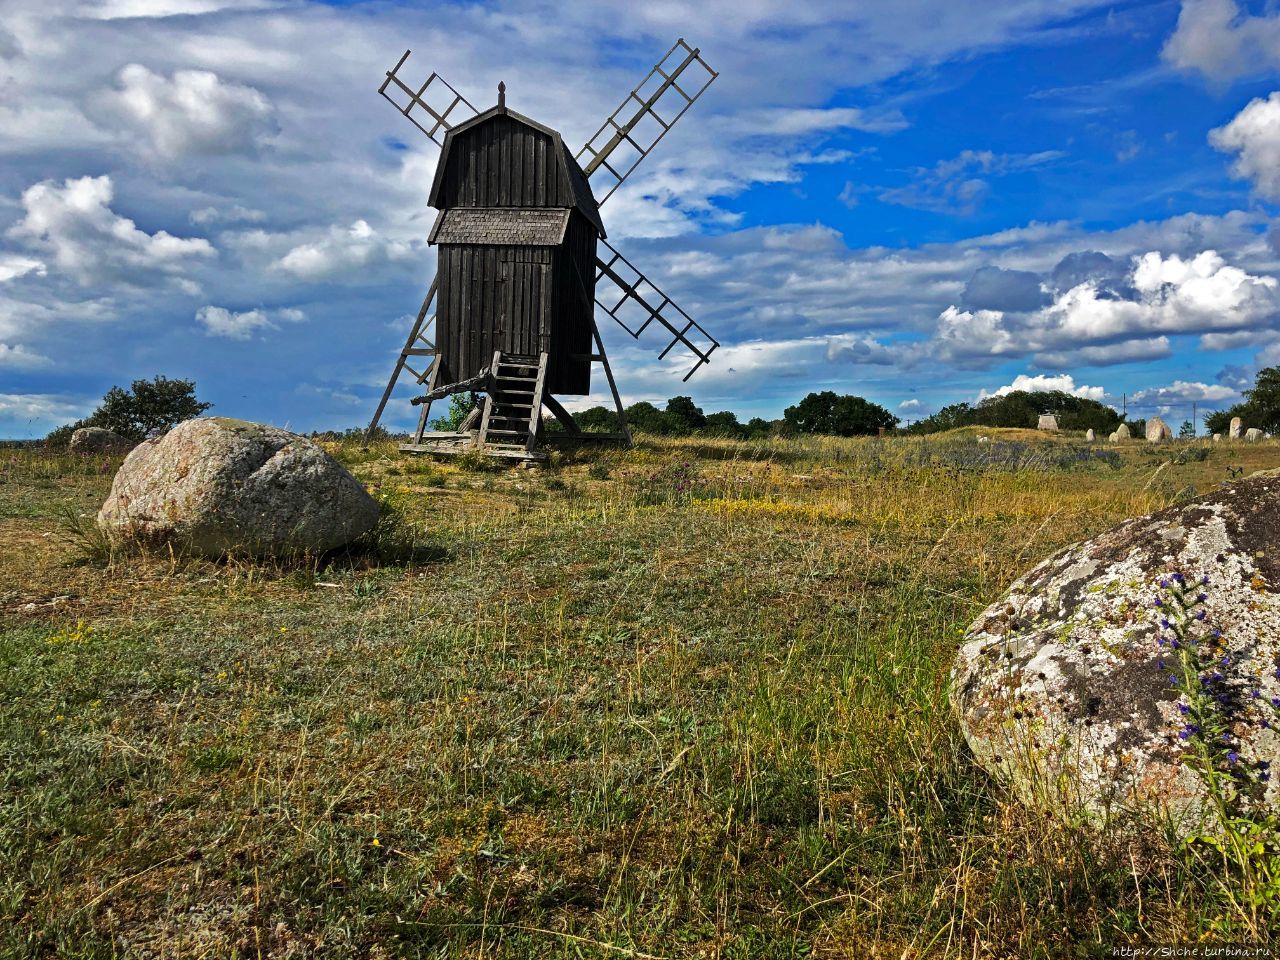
(522, 188)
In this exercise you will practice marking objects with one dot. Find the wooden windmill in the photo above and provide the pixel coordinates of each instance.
(523, 260)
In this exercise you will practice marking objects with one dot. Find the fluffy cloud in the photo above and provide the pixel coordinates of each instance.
(190, 112)
(910, 406)
(33, 414)
(1221, 41)
(19, 357)
(1170, 295)
(1045, 384)
(13, 266)
(92, 244)
(1181, 391)
(221, 322)
(344, 252)
(1254, 135)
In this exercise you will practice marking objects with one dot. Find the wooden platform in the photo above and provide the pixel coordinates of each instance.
(453, 444)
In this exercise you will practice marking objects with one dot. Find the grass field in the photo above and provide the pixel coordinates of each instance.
(686, 700)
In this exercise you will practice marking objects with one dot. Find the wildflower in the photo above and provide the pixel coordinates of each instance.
(1165, 623)
(1232, 757)
(1200, 614)
(375, 842)
(1204, 580)
(1178, 578)
(1183, 709)
(1160, 664)
(1201, 597)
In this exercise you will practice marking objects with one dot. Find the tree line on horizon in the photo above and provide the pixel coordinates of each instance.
(159, 403)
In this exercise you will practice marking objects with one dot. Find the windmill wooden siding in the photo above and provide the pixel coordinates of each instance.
(517, 238)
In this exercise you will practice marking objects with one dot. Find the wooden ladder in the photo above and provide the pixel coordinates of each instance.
(513, 403)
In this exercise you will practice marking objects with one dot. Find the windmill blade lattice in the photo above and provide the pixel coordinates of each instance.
(640, 304)
(442, 92)
(634, 129)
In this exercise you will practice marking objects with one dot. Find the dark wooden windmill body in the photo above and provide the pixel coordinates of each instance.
(519, 240)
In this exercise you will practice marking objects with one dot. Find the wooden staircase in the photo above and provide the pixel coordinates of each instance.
(509, 423)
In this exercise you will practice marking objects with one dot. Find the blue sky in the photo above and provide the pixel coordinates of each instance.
(915, 201)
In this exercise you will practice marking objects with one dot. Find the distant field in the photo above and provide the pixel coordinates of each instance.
(687, 700)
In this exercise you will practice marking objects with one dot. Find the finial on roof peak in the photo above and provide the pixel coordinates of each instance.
(502, 94)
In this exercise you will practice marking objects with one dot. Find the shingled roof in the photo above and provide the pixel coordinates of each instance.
(514, 226)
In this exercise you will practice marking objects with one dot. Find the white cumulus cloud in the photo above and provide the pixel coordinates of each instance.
(1182, 391)
(1221, 41)
(1167, 295)
(190, 112)
(1064, 382)
(343, 252)
(13, 266)
(92, 244)
(19, 357)
(1254, 135)
(221, 322)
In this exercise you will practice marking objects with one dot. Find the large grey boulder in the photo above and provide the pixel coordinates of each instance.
(1063, 686)
(214, 486)
(98, 440)
(1158, 430)
(1121, 433)
(1047, 422)
(1253, 435)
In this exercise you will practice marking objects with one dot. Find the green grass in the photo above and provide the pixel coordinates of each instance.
(684, 700)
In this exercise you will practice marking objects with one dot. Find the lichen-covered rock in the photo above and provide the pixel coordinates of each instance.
(1090, 436)
(1253, 435)
(1059, 686)
(1121, 433)
(214, 486)
(1047, 422)
(1237, 428)
(1158, 430)
(98, 440)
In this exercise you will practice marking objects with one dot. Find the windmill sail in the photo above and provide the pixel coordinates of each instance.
(640, 304)
(448, 102)
(644, 117)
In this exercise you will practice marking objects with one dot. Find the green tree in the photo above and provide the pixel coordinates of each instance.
(684, 416)
(1187, 431)
(460, 404)
(156, 405)
(1260, 408)
(725, 423)
(598, 419)
(1022, 408)
(647, 418)
(841, 416)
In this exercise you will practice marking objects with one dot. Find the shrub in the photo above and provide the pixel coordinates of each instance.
(148, 405)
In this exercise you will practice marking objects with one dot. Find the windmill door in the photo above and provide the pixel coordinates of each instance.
(526, 311)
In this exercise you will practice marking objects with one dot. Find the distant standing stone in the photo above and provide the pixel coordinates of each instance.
(1122, 432)
(1048, 422)
(214, 486)
(1158, 430)
(98, 440)
(1090, 436)
(1217, 438)
(1237, 427)
(1253, 435)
